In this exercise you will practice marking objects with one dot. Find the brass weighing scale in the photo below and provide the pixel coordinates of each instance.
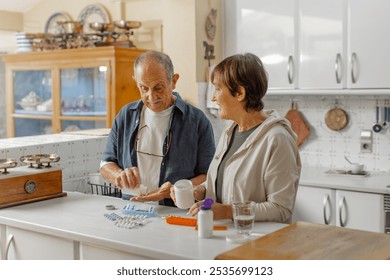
(36, 181)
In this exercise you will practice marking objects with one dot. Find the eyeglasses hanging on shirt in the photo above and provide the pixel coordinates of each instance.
(138, 137)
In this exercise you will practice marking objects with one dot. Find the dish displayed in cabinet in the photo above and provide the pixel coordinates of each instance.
(93, 13)
(52, 26)
(30, 101)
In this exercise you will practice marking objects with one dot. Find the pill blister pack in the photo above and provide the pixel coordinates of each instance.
(139, 209)
(128, 221)
(112, 216)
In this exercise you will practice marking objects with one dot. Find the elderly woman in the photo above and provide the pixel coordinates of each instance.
(257, 157)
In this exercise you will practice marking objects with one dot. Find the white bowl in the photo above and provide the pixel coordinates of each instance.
(29, 107)
(357, 168)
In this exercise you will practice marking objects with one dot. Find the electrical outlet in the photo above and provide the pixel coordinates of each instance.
(366, 141)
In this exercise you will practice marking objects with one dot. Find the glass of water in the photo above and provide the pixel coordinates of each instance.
(244, 217)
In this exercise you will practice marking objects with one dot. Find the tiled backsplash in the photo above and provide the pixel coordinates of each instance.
(327, 148)
(79, 154)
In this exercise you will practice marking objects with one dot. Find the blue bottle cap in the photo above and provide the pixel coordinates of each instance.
(206, 204)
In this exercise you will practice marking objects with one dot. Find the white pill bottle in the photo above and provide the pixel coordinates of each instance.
(205, 219)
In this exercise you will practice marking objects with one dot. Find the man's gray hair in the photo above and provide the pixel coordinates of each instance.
(158, 57)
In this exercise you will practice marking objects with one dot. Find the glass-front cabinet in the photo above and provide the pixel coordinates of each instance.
(67, 90)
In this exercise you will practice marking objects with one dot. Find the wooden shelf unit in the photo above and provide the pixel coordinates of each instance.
(120, 87)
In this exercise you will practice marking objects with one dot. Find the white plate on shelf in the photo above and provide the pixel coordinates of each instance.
(52, 26)
(93, 13)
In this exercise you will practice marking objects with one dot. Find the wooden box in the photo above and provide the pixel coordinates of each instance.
(28, 184)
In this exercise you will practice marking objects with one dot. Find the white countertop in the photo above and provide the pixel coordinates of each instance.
(80, 217)
(372, 183)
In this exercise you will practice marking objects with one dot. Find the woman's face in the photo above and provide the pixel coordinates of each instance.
(154, 86)
(229, 106)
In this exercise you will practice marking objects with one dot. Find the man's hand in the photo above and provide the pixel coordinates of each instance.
(128, 178)
(156, 195)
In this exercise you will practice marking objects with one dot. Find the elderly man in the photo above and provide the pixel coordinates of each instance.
(159, 139)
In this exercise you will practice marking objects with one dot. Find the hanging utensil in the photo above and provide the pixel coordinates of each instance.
(377, 126)
(298, 124)
(347, 159)
(386, 113)
(336, 118)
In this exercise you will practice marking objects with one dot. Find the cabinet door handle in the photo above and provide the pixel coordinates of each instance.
(341, 207)
(290, 69)
(326, 203)
(353, 68)
(7, 244)
(338, 68)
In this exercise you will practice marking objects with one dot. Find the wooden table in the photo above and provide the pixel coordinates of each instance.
(306, 241)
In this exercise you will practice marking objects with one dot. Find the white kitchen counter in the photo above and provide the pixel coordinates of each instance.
(80, 218)
(372, 183)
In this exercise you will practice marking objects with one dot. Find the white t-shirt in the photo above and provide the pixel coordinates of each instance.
(152, 131)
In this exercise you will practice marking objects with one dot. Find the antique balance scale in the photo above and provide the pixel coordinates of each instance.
(39, 180)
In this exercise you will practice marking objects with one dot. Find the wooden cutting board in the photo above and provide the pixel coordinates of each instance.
(298, 124)
(336, 119)
(307, 241)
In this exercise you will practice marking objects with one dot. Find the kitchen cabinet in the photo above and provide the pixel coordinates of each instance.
(324, 45)
(29, 245)
(322, 56)
(94, 252)
(351, 209)
(267, 29)
(66, 90)
(342, 46)
(368, 45)
(315, 205)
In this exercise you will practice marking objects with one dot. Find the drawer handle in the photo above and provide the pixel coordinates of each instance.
(338, 68)
(9, 241)
(290, 69)
(353, 68)
(326, 203)
(341, 207)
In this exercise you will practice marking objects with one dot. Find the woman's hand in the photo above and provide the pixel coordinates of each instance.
(163, 192)
(195, 208)
(220, 211)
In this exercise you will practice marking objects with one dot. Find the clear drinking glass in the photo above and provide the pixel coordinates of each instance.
(244, 217)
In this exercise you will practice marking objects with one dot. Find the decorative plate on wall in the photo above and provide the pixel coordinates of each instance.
(52, 25)
(93, 13)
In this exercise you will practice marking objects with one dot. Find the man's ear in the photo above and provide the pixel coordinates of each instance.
(175, 78)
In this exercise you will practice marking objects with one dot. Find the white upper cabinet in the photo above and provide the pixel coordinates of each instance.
(267, 29)
(368, 44)
(314, 44)
(321, 45)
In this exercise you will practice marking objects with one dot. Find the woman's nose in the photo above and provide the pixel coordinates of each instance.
(214, 97)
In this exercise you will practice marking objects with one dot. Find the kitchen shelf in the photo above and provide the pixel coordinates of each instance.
(84, 88)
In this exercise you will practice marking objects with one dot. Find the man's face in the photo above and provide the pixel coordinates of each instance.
(154, 86)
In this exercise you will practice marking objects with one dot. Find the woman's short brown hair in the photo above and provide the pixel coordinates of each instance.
(245, 70)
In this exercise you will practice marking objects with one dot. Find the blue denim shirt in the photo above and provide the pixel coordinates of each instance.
(190, 152)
